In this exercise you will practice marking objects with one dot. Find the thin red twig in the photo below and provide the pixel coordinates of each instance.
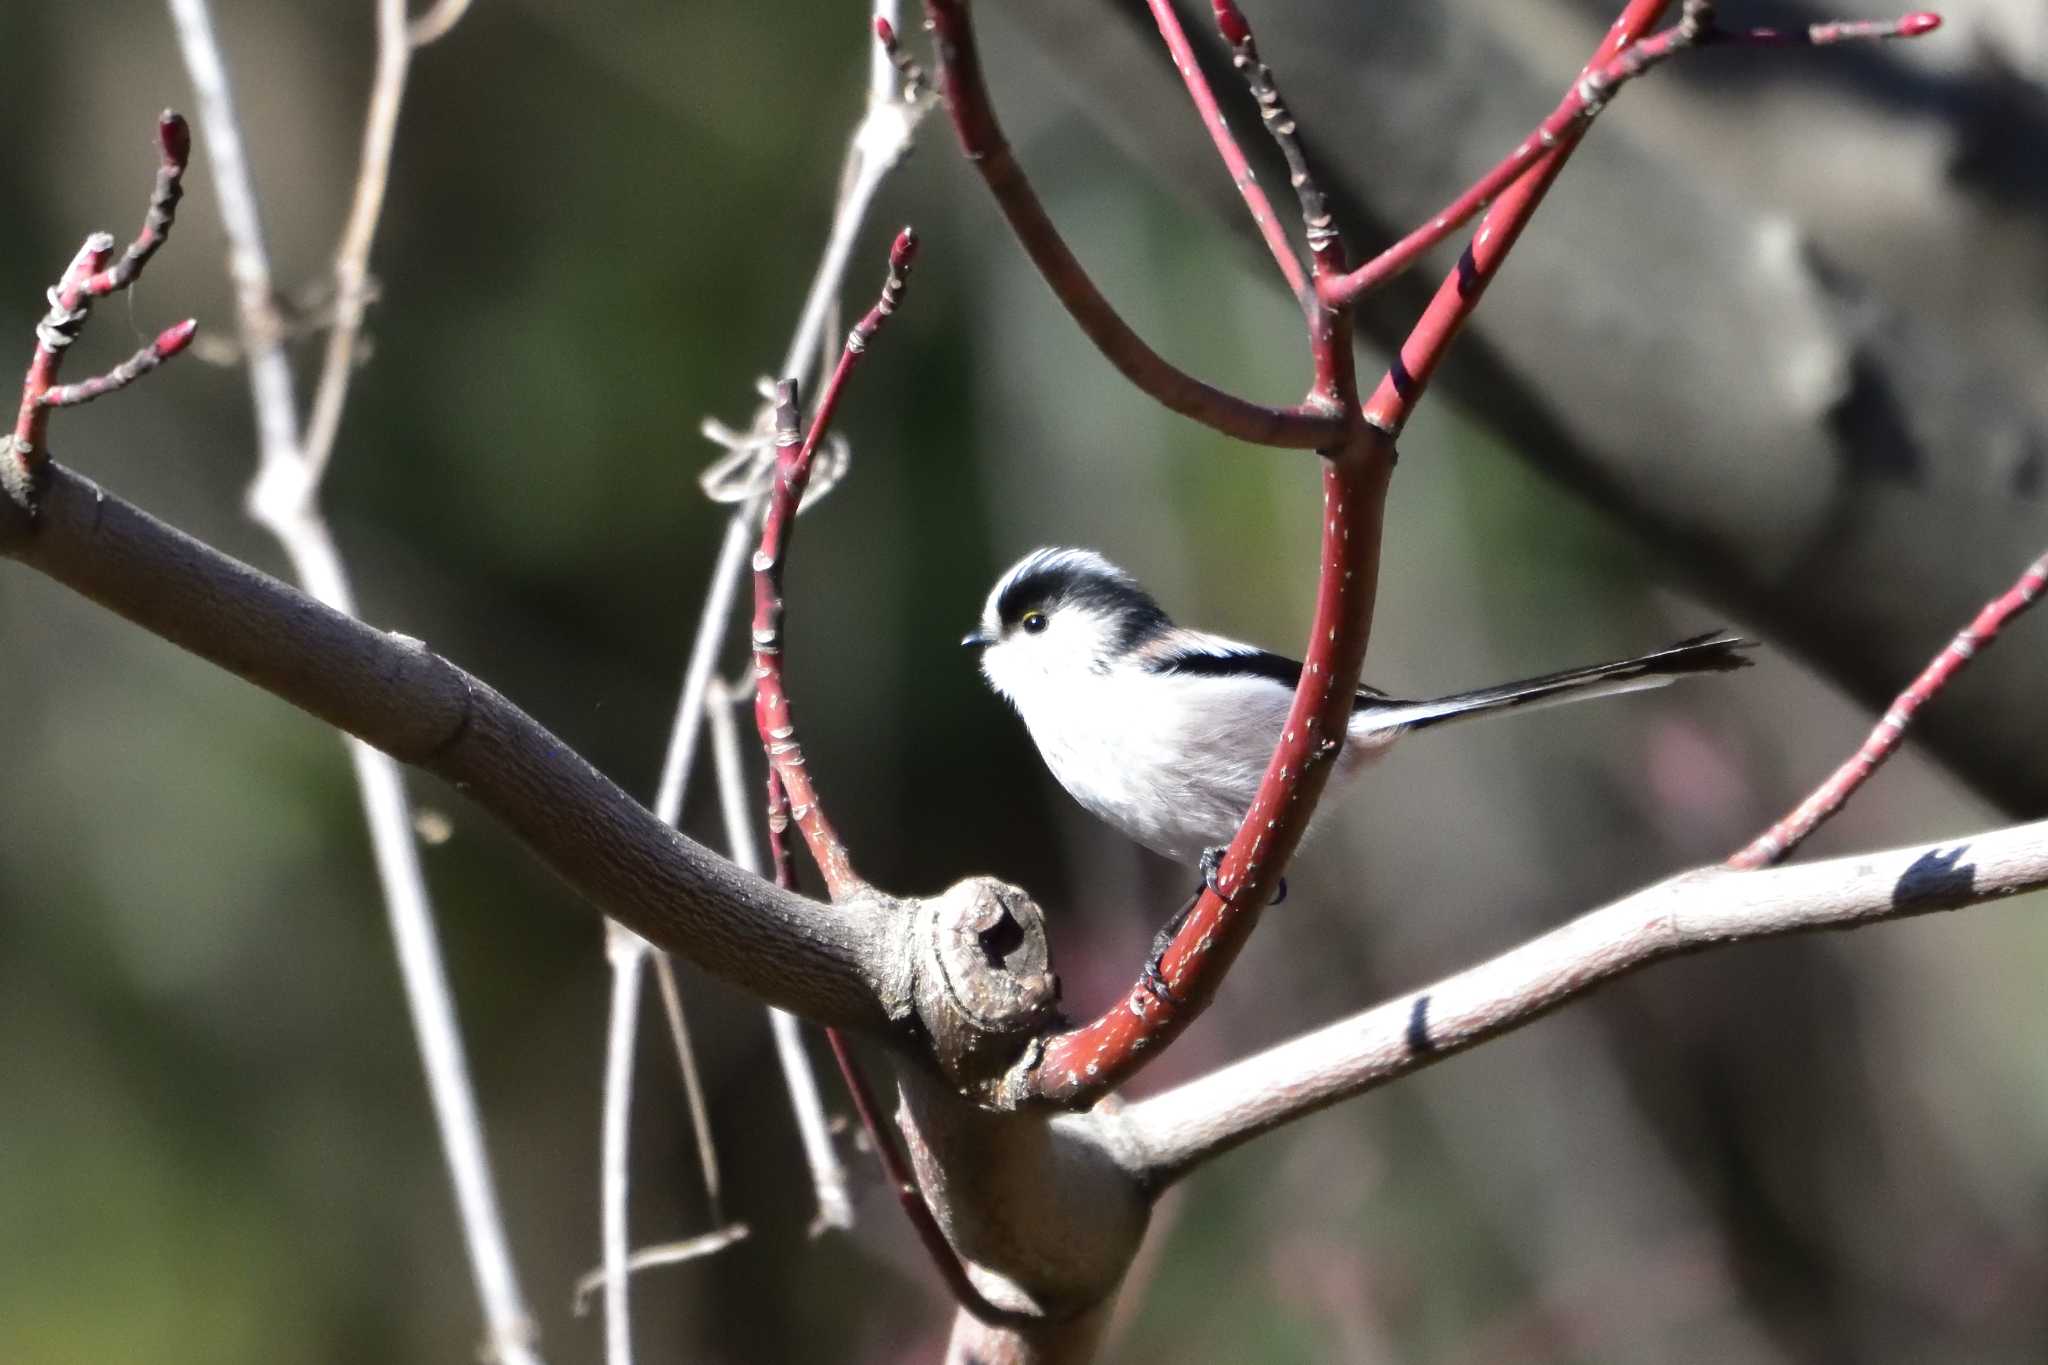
(1393, 402)
(89, 277)
(1580, 105)
(981, 138)
(1241, 175)
(1621, 57)
(896, 1168)
(791, 797)
(1777, 842)
(168, 343)
(792, 472)
(915, 81)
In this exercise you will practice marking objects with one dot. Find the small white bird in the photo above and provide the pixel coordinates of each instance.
(1165, 732)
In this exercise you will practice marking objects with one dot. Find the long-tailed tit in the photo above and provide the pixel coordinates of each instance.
(1165, 732)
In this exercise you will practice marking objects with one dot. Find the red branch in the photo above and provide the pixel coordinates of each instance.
(981, 138)
(1234, 161)
(1777, 842)
(1621, 57)
(791, 797)
(1580, 105)
(89, 277)
(792, 472)
(915, 82)
(168, 343)
(1394, 401)
(1082, 1064)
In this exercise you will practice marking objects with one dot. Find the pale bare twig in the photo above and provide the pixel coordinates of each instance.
(1193, 1123)
(693, 1085)
(352, 257)
(668, 1253)
(627, 954)
(433, 25)
(283, 499)
(877, 146)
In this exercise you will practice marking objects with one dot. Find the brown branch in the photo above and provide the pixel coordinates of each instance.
(844, 967)
(1777, 842)
(981, 138)
(1191, 1124)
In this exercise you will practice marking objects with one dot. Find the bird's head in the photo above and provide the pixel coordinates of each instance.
(1059, 615)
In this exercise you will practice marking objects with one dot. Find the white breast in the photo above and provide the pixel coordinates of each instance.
(1171, 760)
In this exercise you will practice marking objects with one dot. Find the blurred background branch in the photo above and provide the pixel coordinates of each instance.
(284, 499)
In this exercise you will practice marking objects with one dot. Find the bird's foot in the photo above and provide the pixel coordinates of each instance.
(1211, 863)
(1154, 978)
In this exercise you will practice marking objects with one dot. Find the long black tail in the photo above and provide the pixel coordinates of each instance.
(1714, 652)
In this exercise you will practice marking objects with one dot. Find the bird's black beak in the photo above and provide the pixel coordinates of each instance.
(977, 639)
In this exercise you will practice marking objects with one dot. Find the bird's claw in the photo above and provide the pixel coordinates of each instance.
(1153, 979)
(1211, 863)
(1154, 976)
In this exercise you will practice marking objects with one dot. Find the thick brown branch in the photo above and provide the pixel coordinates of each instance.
(841, 966)
(1186, 1126)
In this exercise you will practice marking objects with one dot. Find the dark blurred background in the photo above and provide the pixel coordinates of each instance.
(214, 1144)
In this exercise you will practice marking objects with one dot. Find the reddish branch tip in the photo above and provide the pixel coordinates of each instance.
(174, 339)
(174, 135)
(1230, 23)
(92, 257)
(885, 32)
(1917, 23)
(903, 250)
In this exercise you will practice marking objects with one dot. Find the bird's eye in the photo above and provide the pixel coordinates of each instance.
(1033, 622)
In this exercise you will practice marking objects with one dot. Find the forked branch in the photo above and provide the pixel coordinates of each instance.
(87, 279)
(981, 138)
(1588, 96)
(794, 454)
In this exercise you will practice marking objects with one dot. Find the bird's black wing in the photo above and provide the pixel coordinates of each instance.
(1223, 659)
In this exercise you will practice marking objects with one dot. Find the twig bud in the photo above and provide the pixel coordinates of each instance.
(174, 136)
(175, 338)
(1231, 24)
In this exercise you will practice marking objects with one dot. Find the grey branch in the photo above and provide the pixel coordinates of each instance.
(1204, 1118)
